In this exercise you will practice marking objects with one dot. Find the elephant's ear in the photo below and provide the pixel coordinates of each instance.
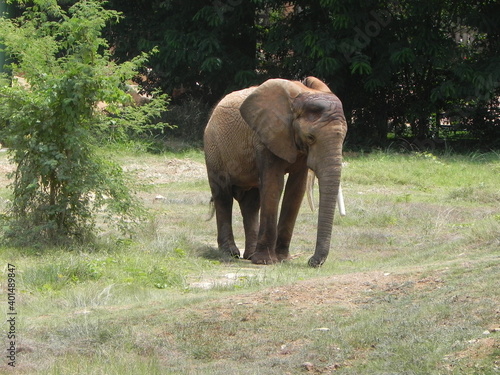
(316, 84)
(268, 111)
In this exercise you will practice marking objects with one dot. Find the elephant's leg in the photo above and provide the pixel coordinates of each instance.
(271, 187)
(250, 205)
(292, 199)
(223, 212)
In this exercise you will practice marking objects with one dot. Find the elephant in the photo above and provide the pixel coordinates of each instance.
(253, 138)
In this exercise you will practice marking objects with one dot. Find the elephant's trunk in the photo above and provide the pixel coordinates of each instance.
(329, 180)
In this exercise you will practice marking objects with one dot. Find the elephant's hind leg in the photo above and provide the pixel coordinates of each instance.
(250, 205)
(223, 212)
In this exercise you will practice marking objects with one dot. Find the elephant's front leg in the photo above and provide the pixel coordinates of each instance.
(294, 192)
(271, 187)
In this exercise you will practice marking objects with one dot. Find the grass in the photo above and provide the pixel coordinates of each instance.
(410, 286)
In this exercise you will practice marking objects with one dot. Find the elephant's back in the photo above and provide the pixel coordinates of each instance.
(229, 142)
(226, 128)
(234, 99)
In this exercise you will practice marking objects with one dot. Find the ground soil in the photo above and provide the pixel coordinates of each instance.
(349, 290)
(157, 172)
(167, 171)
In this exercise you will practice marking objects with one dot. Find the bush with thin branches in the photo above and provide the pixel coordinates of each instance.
(52, 122)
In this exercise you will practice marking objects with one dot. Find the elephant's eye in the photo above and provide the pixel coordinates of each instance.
(310, 139)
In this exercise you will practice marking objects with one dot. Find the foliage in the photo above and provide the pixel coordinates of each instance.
(405, 68)
(52, 121)
(398, 63)
(191, 115)
(206, 48)
(398, 66)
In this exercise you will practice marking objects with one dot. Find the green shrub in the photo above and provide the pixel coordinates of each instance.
(53, 122)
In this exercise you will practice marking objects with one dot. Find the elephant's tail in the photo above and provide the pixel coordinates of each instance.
(211, 211)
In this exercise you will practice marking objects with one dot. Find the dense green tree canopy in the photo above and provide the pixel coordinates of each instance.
(400, 66)
(206, 48)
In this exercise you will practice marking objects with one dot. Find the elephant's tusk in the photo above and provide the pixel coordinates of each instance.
(341, 201)
(309, 189)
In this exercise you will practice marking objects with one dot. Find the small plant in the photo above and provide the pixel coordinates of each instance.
(52, 123)
(428, 156)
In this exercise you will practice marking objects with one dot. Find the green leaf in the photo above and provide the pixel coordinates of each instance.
(340, 21)
(211, 14)
(403, 56)
(327, 65)
(211, 64)
(373, 84)
(361, 68)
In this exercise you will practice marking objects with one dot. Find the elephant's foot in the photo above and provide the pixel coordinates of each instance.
(231, 250)
(283, 256)
(263, 258)
(248, 254)
(313, 262)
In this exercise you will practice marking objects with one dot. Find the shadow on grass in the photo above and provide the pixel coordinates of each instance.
(213, 254)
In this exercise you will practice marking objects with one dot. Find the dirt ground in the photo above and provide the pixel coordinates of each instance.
(166, 171)
(352, 292)
(349, 290)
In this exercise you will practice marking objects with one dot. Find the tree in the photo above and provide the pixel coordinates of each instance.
(397, 65)
(4, 12)
(51, 123)
(393, 61)
(205, 48)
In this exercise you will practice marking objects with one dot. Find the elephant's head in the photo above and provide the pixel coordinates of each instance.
(292, 118)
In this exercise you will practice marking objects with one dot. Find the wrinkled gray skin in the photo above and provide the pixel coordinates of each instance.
(253, 138)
